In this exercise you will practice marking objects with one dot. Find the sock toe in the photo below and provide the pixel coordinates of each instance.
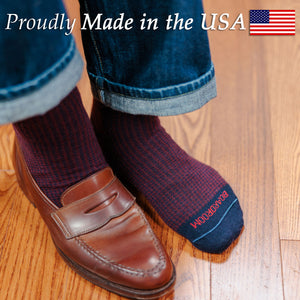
(223, 234)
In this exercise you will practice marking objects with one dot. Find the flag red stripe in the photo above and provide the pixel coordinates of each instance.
(282, 17)
(282, 10)
(271, 26)
(287, 19)
(266, 29)
(283, 22)
(282, 14)
(278, 31)
(272, 33)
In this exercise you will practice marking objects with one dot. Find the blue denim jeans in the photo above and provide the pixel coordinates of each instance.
(155, 72)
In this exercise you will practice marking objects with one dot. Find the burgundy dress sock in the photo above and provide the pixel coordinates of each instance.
(60, 147)
(191, 197)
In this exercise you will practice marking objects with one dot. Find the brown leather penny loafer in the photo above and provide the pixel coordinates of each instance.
(102, 234)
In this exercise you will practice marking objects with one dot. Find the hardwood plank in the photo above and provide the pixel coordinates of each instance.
(6, 143)
(79, 288)
(7, 190)
(30, 266)
(242, 151)
(192, 132)
(283, 61)
(291, 269)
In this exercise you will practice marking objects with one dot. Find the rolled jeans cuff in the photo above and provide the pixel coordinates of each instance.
(167, 101)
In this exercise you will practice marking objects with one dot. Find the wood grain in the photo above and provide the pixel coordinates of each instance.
(30, 266)
(7, 189)
(283, 64)
(291, 268)
(6, 142)
(192, 132)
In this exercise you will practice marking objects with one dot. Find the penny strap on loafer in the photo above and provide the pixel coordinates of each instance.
(93, 211)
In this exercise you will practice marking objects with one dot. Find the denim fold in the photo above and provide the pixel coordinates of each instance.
(169, 101)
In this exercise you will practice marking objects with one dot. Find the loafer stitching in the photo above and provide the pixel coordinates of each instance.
(122, 268)
(159, 266)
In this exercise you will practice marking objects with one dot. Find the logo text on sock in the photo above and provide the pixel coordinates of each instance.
(211, 211)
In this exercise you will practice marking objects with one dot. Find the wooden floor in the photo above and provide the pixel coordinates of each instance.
(250, 133)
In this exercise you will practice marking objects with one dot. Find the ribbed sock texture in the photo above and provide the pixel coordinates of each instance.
(191, 197)
(60, 147)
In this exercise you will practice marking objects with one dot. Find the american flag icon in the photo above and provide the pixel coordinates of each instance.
(272, 22)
